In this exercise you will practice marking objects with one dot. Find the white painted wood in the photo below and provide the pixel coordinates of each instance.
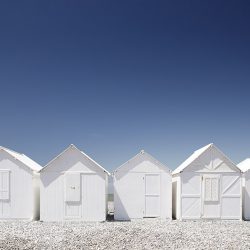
(142, 188)
(246, 203)
(231, 196)
(93, 197)
(152, 195)
(211, 196)
(245, 168)
(73, 187)
(4, 185)
(207, 186)
(19, 192)
(128, 196)
(211, 188)
(190, 196)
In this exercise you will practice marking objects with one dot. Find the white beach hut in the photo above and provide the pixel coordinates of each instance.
(142, 188)
(207, 186)
(73, 187)
(244, 166)
(19, 186)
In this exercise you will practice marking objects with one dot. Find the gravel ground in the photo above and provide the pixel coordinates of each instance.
(139, 234)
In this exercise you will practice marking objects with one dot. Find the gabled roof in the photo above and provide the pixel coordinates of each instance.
(74, 147)
(23, 159)
(142, 153)
(191, 158)
(195, 155)
(244, 165)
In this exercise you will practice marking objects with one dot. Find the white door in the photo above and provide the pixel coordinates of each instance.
(231, 203)
(152, 195)
(211, 196)
(93, 198)
(4, 194)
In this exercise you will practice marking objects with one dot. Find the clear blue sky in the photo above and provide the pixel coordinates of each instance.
(114, 77)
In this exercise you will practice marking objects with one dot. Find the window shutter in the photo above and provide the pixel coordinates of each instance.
(211, 189)
(72, 187)
(215, 189)
(207, 189)
(4, 185)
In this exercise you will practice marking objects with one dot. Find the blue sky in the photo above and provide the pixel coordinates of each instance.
(115, 77)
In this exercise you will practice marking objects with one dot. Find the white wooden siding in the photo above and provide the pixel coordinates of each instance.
(142, 188)
(73, 188)
(16, 189)
(210, 187)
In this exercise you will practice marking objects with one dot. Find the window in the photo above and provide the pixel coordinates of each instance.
(211, 188)
(4, 185)
(72, 187)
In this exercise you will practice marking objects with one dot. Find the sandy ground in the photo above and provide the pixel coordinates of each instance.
(139, 234)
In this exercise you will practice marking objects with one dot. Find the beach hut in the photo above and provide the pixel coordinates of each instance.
(207, 186)
(73, 187)
(142, 188)
(19, 186)
(244, 166)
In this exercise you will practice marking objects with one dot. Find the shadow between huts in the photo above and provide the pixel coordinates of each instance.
(118, 205)
(246, 197)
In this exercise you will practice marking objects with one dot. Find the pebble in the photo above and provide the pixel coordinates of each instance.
(137, 234)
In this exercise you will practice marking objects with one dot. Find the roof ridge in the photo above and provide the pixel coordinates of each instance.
(192, 158)
(196, 154)
(84, 154)
(24, 159)
(142, 152)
